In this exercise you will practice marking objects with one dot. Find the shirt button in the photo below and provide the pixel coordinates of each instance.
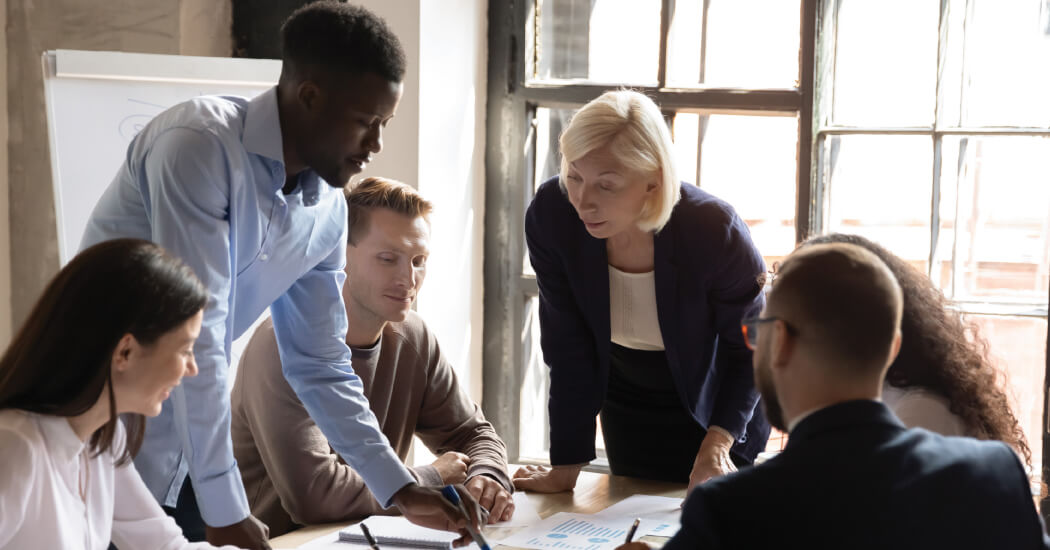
(264, 257)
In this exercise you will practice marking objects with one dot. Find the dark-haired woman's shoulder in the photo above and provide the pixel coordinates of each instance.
(17, 422)
(21, 448)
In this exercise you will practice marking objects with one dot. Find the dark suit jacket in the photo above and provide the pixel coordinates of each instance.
(706, 270)
(852, 476)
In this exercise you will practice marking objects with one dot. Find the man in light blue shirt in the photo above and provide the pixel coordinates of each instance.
(249, 193)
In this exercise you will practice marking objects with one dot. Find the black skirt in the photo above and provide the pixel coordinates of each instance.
(648, 431)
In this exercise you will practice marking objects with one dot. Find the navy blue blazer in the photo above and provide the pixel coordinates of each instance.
(852, 476)
(707, 279)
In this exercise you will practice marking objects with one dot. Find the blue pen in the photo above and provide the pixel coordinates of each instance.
(450, 494)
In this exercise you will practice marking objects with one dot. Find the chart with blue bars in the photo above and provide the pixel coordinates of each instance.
(577, 534)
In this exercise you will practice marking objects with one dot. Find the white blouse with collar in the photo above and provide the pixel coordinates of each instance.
(44, 466)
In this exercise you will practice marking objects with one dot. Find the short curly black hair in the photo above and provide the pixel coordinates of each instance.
(337, 38)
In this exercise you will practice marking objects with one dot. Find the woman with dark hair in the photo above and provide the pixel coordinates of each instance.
(942, 379)
(112, 335)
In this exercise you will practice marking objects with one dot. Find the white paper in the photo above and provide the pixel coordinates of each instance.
(329, 542)
(661, 516)
(525, 513)
(565, 531)
(398, 531)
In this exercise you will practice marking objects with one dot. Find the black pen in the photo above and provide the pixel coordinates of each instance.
(630, 532)
(368, 536)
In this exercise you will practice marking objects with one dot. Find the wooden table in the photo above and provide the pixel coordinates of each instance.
(594, 492)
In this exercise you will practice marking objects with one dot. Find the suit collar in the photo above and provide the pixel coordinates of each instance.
(848, 414)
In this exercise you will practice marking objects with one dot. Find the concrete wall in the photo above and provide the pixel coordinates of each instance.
(5, 225)
(194, 27)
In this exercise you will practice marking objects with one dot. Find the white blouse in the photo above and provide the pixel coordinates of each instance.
(632, 310)
(44, 467)
(919, 408)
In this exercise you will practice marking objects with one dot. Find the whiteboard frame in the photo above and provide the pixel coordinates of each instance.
(77, 64)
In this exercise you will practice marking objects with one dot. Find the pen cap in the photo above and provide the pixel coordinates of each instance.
(450, 494)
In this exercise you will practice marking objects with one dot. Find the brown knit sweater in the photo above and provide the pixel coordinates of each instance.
(291, 475)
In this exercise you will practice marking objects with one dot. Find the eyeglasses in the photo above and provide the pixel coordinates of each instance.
(749, 327)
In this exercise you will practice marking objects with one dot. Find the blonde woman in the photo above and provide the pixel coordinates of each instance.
(643, 283)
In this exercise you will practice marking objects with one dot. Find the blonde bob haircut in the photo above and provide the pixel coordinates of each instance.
(633, 129)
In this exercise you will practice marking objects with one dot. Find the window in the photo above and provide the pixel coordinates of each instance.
(727, 75)
(935, 143)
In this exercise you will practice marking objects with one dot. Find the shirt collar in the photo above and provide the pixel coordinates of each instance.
(262, 127)
(262, 136)
(794, 421)
(60, 437)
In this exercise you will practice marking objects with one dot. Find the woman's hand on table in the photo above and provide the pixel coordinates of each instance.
(547, 480)
(713, 458)
(633, 546)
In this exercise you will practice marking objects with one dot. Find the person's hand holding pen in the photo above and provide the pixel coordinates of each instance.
(426, 506)
(628, 545)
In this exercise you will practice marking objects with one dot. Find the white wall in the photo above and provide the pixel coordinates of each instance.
(453, 80)
(400, 157)
(436, 143)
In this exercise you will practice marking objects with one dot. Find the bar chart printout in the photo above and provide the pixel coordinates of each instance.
(566, 531)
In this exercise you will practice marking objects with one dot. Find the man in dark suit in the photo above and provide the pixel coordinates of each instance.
(852, 476)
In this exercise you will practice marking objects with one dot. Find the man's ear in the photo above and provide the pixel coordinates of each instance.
(123, 352)
(896, 348)
(783, 345)
(310, 96)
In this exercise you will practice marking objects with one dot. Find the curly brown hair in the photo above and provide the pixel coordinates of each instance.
(943, 353)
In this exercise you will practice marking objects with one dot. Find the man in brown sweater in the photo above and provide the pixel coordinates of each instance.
(291, 475)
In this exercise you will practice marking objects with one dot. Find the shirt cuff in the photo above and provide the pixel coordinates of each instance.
(221, 499)
(428, 476)
(385, 475)
(499, 476)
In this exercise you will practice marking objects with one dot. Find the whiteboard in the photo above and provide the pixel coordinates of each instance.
(98, 101)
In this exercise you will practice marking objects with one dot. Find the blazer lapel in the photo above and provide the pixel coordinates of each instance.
(666, 279)
(595, 267)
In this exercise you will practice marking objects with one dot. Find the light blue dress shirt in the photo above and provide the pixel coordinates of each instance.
(204, 180)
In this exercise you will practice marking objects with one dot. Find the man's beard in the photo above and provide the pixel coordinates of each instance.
(770, 403)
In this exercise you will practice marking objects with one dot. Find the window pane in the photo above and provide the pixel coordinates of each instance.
(748, 44)
(995, 219)
(1017, 346)
(533, 437)
(598, 40)
(885, 63)
(763, 193)
(1006, 81)
(547, 126)
(880, 187)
